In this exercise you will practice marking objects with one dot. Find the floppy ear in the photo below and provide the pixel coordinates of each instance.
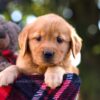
(76, 43)
(23, 40)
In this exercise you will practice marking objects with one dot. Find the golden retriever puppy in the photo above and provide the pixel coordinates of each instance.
(47, 46)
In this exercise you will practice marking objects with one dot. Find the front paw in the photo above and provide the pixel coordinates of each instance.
(8, 75)
(54, 77)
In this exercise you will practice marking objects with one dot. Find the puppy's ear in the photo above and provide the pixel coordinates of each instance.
(76, 42)
(23, 40)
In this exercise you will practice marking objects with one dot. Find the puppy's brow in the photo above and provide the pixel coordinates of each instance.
(66, 38)
(63, 37)
(34, 35)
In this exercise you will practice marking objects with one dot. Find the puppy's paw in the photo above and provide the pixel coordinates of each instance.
(8, 75)
(54, 76)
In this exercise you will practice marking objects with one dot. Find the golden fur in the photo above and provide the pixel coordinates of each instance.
(48, 33)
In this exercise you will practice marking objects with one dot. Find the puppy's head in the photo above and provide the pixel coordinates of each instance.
(49, 40)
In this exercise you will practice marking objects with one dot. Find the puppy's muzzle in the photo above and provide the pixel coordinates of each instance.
(48, 55)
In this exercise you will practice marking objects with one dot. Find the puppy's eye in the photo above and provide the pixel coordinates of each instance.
(59, 39)
(38, 38)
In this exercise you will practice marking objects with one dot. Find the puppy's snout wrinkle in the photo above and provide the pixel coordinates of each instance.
(48, 55)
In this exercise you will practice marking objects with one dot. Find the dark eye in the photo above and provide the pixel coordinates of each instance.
(59, 39)
(38, 38)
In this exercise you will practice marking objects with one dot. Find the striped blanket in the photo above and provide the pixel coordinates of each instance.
(33, 88)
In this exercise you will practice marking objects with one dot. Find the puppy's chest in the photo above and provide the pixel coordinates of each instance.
(42, 69)
(33, 69)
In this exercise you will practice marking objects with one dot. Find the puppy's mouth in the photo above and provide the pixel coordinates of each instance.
(47, 58)
(46, 63)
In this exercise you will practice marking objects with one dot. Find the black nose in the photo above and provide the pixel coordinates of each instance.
(2, 35)
(48, 55)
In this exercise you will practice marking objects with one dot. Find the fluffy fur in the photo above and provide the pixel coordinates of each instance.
(48, 46)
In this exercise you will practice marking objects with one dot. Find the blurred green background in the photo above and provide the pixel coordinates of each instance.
(84, 15)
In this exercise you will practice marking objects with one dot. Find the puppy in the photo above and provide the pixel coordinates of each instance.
(48, 46)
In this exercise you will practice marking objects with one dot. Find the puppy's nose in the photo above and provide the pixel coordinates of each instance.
(48, 55)
(2, 35)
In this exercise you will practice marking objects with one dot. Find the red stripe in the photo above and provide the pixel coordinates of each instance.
(4, 92)
(43, 86)
(9, 56)
(61, 90)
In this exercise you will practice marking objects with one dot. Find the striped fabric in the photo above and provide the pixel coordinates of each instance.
(33, 87)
